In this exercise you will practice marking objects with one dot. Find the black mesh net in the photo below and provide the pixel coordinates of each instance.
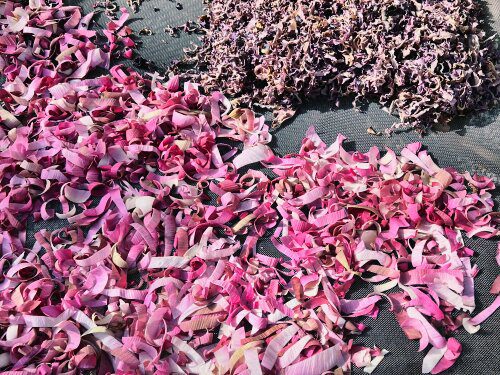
(473, 144)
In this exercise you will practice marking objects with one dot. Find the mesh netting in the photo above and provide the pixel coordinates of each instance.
(472, 145)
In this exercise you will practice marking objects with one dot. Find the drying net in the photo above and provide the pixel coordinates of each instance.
(472, 145)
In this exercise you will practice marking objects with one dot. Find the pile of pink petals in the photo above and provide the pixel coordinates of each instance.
(155, 267)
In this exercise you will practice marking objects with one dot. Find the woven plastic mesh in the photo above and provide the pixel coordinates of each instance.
(472, 145)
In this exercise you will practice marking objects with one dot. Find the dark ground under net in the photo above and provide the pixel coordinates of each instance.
(473, 145)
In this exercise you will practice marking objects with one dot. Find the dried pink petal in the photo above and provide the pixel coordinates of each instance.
(157, 259)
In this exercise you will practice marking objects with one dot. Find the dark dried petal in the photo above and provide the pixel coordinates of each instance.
(427, 62)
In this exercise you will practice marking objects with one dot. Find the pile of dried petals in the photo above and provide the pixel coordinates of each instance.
(146, 276)
(425, 61)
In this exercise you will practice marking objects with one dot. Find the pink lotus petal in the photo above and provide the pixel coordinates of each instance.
(276, 344)
(158, 261)
(252, 155)
(318, 363)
